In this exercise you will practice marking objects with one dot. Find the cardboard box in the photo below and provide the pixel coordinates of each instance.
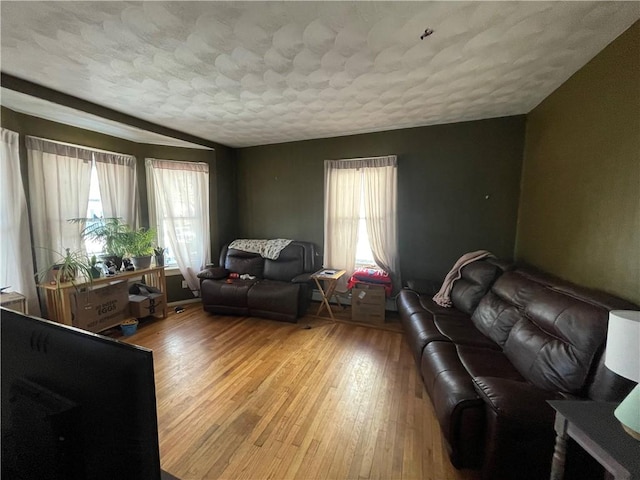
(141, 306)
(367, 303)
(101, 308)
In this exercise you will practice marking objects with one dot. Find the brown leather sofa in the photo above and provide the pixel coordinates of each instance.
(515, 338)
(281, 289)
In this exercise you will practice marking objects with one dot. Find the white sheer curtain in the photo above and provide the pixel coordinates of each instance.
(59, 180)
(16, 262)
(342, 189)
(179, 208)
(381, 207)
(345, 182)
(118, 186)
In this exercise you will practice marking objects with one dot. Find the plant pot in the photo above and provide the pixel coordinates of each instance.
(129, 327)
(159, 260)
(63, 274)
(140, 263)
(115, 259)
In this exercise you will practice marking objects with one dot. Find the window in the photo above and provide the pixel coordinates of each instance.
(70, 181)
(360, 214)
(364, 255)
(179, 210)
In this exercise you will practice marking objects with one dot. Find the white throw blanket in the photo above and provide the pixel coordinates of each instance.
(443, 297)
(266, 248)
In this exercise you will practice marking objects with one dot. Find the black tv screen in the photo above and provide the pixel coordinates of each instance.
(75, 405)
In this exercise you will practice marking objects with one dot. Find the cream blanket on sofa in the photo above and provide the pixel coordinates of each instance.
(266, 248)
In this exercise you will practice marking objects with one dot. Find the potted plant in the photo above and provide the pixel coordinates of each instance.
(158, 252)
(139, 247)
(111, 232)
(67, 268)
(95, 270)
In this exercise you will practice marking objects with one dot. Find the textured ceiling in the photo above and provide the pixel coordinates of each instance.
(252, 73)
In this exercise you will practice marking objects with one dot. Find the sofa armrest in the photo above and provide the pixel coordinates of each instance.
(214, 273)
(516, 401)
(302, 278)
(424, 287)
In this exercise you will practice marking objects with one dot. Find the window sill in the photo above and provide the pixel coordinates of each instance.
(171, 271)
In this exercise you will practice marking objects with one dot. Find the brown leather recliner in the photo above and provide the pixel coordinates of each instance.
(514, 339)
(281, 289)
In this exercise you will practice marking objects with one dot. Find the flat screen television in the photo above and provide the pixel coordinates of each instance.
(75, 405)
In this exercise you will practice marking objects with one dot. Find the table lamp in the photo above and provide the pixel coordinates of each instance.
(623, 358)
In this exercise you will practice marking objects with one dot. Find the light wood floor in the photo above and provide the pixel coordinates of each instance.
(252, 398)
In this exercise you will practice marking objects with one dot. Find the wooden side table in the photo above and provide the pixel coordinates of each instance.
(14, 300)
(593, 426)
(330, 279)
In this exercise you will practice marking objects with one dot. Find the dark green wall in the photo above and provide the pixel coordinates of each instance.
(221, 173)
(580, 206)
(444, 174)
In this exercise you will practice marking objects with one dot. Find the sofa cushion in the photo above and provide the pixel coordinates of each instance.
(502, 306)
(214, 273)
(555, 344)
(461, 331)
(427, 303)
(475, 280)
(486, 362)
(240, 262)
(290, 263)
(495, 317)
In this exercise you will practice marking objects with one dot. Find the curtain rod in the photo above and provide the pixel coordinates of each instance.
(363, 158)
(84, 147)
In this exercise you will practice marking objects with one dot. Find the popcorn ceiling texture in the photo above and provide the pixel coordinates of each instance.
(253, 73)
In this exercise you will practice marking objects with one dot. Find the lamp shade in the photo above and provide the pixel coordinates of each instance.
(623, 344)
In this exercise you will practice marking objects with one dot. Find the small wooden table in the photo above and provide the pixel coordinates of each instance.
(14, 300)
(593, 426)
(330, 279)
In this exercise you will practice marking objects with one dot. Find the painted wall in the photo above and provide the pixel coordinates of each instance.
(580, 206)
(221, 173)
(444, 174)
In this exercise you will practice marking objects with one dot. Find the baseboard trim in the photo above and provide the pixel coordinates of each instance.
(345, 299)
(182, 302)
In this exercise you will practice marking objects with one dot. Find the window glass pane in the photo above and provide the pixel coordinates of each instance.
(181, 221)
(364, 255)
(94, 210)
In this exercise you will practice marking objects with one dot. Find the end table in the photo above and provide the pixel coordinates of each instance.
(593, 426)
(14, 300)
(330, 279)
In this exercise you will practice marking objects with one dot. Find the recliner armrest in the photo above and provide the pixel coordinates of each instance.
(302, 278)
(214, 273)
(424, 287)
(516, 401)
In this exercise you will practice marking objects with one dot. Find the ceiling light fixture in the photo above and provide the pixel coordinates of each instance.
(427, 32)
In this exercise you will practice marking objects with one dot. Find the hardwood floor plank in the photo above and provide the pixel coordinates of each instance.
(251, 398)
